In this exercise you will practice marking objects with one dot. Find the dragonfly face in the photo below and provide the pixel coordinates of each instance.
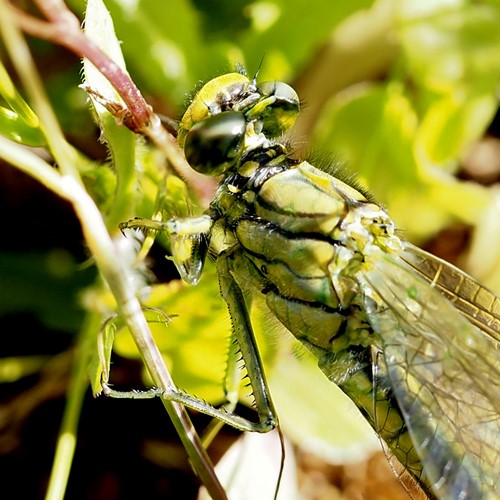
(336, 275)
(227, 114)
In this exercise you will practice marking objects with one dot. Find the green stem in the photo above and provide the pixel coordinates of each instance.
(66, 183)
(66, 442)
(23, 62)
(110, 264)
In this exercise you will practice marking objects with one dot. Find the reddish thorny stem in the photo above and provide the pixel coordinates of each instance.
(63, 28)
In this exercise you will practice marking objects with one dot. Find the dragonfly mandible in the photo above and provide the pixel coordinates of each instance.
(411, 339)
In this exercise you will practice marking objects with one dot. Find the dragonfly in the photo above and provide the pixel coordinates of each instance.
(412, 340)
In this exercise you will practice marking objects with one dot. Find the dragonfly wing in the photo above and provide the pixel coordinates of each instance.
(478, 304)
(445, 374)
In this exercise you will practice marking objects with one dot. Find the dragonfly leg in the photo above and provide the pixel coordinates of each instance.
(189, 239)
(232, 381)
(245, 337)
(191, 226)
(187, 400)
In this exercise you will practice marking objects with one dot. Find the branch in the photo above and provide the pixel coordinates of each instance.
(63, 28)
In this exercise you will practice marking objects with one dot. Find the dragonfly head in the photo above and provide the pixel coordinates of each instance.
(231, 115)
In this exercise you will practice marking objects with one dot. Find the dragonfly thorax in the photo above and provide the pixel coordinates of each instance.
(299, 237)
(289, 230)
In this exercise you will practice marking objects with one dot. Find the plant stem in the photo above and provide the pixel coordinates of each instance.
(63, 28)
(66, 442)
(110, 264)
(66, 183)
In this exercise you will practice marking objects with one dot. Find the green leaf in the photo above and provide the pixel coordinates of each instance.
(100, 360)
(454, 47)
(451, 124)
(120, 141)
(99, 28)
(15, 128)
(195, 342)
(18, 122)
(372, 130)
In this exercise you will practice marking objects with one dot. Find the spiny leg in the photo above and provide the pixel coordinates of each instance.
(188, 400)
(232, 379)
(190, 232)
(176, 226)
(244, 336)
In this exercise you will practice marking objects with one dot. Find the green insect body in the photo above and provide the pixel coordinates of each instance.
(336, 275)
(299, 236)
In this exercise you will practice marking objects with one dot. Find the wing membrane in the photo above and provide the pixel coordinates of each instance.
(445, 373)
(477, 303)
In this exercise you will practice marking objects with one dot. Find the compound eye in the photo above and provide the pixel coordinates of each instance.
(216, 143)
(278, 109)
